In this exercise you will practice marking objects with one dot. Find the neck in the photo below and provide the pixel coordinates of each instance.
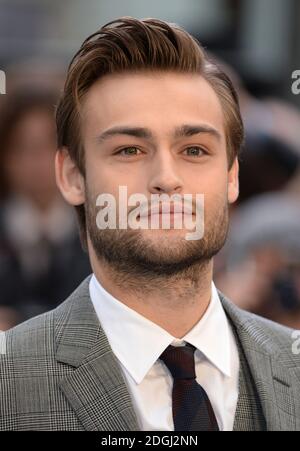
(175, 303)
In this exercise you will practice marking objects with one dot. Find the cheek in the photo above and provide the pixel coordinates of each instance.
(103, 179)
(210, 181)
(215, 193)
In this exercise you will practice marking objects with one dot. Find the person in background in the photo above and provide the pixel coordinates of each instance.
(273, 162)
(41, 260)
(262, 258)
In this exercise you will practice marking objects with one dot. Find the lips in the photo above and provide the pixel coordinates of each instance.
(169, 209)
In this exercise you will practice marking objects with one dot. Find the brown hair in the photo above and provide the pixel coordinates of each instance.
(129, 44)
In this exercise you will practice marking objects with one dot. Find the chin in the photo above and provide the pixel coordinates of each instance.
(166, 233)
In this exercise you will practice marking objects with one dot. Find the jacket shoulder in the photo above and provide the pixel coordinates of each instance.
(30, 397)
(279, 334)
(263, 332)
(39, 335)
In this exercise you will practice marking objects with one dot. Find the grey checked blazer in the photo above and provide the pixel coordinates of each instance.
(59, 371)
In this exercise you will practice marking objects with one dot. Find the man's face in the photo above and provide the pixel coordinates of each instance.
(155, 162)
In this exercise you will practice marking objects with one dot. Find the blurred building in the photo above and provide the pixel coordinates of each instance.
(260, 38)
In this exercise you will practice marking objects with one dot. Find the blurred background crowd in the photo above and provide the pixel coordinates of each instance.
(258, 44)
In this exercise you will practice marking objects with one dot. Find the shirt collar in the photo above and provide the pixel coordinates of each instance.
(138, 342)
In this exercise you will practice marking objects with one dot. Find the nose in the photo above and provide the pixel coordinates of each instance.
(164, 175)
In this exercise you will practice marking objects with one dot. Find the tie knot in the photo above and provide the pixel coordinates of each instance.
(180, 361)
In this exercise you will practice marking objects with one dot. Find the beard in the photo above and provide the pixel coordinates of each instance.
(157, 254)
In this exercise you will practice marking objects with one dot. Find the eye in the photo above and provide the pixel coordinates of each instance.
(195, 151)
(128, 151)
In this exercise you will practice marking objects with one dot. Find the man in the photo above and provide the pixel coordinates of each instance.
(148, 342)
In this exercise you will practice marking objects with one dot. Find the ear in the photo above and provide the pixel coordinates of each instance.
(233, 182)
(69, 179)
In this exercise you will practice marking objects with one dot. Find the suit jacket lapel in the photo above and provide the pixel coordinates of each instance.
(274, 374)
(96, 389)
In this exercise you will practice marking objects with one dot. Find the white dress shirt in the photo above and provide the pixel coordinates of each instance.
(138, 342)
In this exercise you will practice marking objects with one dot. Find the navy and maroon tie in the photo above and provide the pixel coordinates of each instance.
(192, 410)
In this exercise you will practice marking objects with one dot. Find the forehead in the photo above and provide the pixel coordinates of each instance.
(155, 99)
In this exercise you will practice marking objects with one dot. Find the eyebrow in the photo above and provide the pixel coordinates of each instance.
(182, 131)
